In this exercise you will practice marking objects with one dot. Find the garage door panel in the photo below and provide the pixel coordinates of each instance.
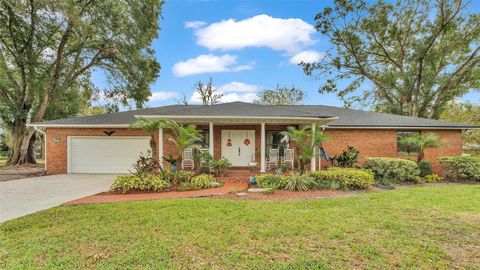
(105, 155)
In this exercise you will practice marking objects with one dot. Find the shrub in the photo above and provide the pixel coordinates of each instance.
(343, 178)
(270, 181)
(298, 182)
(268, 191)
(393, 170)
(425, 167)
(461, 168)
(145, 164)
(432, 178)
(221, 166)
(198, 182)
(184, 176)
(126, 183)
(348, 158)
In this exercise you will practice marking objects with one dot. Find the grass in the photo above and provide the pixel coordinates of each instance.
(426, 227)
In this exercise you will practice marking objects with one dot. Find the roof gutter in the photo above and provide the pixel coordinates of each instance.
(402, 127)
(236, 117)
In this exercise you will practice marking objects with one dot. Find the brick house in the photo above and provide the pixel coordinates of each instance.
(241, 132)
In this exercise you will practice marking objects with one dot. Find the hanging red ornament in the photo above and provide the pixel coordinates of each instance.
(229, 141)
(247, 140)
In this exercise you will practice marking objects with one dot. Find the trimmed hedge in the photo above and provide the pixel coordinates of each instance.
(460, 168)
(271, 181)
(343, 178)
(126, 183)
(393, 170)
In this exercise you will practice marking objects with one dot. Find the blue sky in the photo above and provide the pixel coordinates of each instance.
(197, 41)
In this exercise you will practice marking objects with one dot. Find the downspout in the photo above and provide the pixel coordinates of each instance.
(44, 146)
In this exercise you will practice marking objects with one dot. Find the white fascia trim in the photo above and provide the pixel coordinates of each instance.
(402, 127)
(80, 125)
(237, 117)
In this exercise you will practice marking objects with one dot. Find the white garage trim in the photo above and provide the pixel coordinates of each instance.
(69, 145)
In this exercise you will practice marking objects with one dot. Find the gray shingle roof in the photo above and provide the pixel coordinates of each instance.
(347, 117)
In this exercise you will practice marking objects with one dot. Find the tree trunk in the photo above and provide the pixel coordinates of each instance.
(23, 140)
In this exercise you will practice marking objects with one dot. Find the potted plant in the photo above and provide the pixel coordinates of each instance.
(172, 162)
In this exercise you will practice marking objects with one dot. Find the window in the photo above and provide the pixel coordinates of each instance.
(205, 139)
(405, 149)
(275, 140)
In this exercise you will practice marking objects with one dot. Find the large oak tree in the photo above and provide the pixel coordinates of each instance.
(411, 57)
(49, 50)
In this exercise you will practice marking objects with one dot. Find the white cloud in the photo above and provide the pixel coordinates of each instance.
(238, 87)
(208, 63)
(163, 95)
(232, 91)
(195, 24)
(290, 35)
(308, 56)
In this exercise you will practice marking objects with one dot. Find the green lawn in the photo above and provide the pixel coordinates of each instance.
(419, 227)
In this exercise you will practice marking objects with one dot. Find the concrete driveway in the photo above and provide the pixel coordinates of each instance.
(25, 196)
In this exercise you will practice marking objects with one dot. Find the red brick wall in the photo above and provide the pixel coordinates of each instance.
(451, 146)
(383, 143)
(371, 143)
(57, 143)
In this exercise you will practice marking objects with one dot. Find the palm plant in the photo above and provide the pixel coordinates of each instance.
(421, 142)
(184, 137)
(306, 142)
(151, 127)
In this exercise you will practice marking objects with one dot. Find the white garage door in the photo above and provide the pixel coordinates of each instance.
(104, 154)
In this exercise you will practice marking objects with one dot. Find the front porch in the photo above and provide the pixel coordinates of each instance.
(243, 141)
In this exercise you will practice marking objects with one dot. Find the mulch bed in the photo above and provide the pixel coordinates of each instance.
(8, 173)
(227, 191)
(283, 195)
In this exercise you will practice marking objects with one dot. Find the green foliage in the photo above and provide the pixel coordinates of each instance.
(184, 176)
(432, 178)
(343, 178)
(269, 191)
(270, 181)
(280, 96)
(203, 161)
(298, 182)
(348, 158)
(421, 142)
(145, 164)
(198, 182)
(393, 170)
(461, 168)
(148, 182)
(425, 167)
(416, 56)
(306, 142)
(183, 137)
(49, 51)
(221, 166)
(465, 113)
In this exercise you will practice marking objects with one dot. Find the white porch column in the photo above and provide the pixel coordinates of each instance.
(313, 160)
(160, 146)
(210, 138)
(262, 148)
